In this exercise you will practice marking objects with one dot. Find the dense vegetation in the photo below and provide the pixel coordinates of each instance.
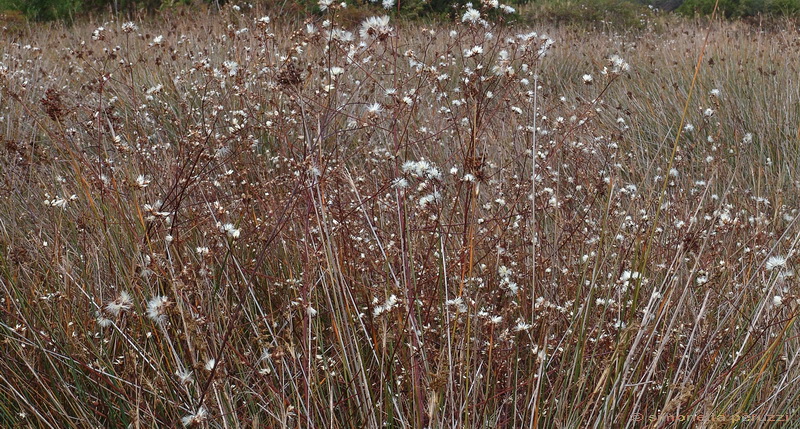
(225, 220)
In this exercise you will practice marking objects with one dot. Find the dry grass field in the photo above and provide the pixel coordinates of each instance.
(225, 221)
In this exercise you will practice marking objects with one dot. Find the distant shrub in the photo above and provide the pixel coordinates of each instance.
(595, 13)
(12, 20)
(42, 10)
(46, 10)
(741, 8)
(725, 8)
(783, 7)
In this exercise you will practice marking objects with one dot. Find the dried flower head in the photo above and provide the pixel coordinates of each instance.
(375, 27)
(129, 27)
(195, 419)
(776, 261)
(122, 303)
(157, 308)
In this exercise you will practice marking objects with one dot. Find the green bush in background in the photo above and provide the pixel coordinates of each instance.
(608, 13)
(43, 10)
(741, 8)
(48, 10)
(595, 13)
